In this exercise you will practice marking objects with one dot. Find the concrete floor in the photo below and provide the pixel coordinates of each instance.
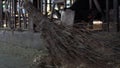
(18, 50)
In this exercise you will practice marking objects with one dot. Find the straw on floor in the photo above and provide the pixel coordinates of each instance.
(70, 47)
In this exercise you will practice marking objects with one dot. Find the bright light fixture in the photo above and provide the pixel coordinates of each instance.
(16, 15)
(4, 25)
(55, 16)
(97, 22)
(3, 2)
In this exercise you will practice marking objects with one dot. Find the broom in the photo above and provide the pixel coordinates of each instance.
(68, 46)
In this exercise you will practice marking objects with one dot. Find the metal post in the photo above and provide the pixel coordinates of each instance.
(116, 14)
(90, 4)
(19, 14)
(12, 14)
(97, 5)
(118, 19)
(70, 2)
(6, 14)
(41, 5)
(38, 3)
(35, 3)
(10, 22)
(1, 11)
(107, 14)
(65, 4)
(50, 5)
(118, 23)
(15, 12)
(46, 7)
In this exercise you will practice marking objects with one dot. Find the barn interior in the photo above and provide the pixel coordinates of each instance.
(88, 12)
(59, 34)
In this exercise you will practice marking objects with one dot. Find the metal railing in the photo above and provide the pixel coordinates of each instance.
(13, 15)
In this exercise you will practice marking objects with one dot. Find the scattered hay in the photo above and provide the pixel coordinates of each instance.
(70, 47)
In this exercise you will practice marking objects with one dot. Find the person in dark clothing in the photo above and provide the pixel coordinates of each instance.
(81, 9)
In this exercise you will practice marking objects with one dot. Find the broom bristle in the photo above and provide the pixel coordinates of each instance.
(69, 45)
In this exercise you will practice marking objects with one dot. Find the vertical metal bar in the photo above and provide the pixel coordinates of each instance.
(24, 17)
(116, 14)
(19, 14)
(65, 4)
(12, 3)
(38, 4)
(1, 11)
(50, 5)
(70, 2)
(41, 5)
(90, 4)
(12, 14)
(6, 14)
(97, 5)
(73, 1)
(9, 13)
(107, 14)
(46, 7)
(115, 9)
(35, 3)
(15, 12)
(118, 21)
(25, 20)
(52, 10)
